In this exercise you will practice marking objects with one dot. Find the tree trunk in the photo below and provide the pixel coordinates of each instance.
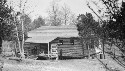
(114, 52)
(65, 19)
(19, 44)
(22, 47)
(0, 45)
(88, 51)
(103, 48)
(15, 50)
(18, 40)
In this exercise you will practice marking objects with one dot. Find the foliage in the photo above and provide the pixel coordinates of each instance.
(87, 25)
(89, 30)
(26, 20)
(114, 24)
(6, 24)
(37, 23)
(7, 32)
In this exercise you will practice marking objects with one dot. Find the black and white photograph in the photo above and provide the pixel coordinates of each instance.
(62, 35)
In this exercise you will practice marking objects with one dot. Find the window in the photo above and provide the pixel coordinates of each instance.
(72, 41)
(60, 41)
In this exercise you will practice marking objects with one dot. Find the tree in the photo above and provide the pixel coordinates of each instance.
(87, 25)
(113, 27)
(112, 11)
(27, 21)
(60, 15)
(68, 17)
(65, 14)
(37, 23)
(87, 28)
(54, 16)
(72, 19)
(6, 22)
(117, 20)
(22, 21)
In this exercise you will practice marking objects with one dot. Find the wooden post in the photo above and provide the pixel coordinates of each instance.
(0, 45)
(82, 45)
(57, 52)
(15, 49)
(114, 52)
(88, 49)
(22, 47)
(48, 51)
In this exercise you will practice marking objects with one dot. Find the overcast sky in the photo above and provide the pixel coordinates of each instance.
(39, 7)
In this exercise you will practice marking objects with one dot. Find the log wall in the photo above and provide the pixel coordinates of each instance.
(69, 49)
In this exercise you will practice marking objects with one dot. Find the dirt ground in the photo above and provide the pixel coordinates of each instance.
(60, 65)
(49, 65)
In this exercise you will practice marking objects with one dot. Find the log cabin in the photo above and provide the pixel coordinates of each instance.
(55, 41)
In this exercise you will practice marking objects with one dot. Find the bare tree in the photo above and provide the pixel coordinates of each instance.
(73, 19)
(60, 15)
(21, 20)
(53, 12)
(66, 12)
(68, 17)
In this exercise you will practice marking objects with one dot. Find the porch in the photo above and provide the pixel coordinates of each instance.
(38, 46)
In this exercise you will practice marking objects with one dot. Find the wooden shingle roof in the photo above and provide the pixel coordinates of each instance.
(45, 34)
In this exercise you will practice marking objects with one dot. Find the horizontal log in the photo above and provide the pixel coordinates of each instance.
(69, 46)
(72, 52)
(67, 41)
(70, 49)
(72, 55)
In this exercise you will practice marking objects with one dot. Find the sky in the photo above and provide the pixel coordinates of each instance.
(40, 7)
